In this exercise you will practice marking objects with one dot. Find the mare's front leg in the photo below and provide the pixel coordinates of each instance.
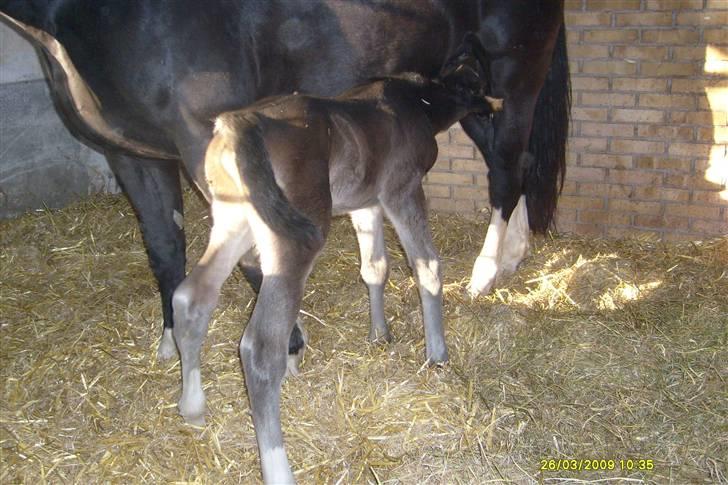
(154, 191)
(368, 224)
(197, 296)
(503, 146)
(405, 207)
(264, 346)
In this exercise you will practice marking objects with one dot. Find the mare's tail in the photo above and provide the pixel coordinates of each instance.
(244, 135)
(545, 178)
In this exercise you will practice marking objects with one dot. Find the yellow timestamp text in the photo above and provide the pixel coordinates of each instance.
(596, 464)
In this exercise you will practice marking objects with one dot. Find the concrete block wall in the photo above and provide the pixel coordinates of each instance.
(41, 164)
(647, 152)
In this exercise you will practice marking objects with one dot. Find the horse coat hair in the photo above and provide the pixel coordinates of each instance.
(278, 171)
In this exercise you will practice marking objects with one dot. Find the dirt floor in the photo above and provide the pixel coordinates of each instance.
(607, 356)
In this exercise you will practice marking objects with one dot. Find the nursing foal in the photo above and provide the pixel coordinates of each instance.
(278, 171)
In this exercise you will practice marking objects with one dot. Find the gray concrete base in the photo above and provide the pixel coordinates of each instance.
(41, 164)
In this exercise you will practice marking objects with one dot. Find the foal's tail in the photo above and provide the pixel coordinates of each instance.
(545, 178)
(245, 137)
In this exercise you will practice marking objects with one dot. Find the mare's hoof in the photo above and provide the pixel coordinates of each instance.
(167, 348)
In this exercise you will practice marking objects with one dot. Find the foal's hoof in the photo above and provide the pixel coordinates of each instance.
(167, 348)
(196, 420)
(377, 336)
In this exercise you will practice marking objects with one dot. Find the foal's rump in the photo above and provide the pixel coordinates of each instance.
(243, 165)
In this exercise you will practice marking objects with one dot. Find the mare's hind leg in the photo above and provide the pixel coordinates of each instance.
(264, 347)
(406, 209)
(153, 188)
(369, 227)
(196, 298)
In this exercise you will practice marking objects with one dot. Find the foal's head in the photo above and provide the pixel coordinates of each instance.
(466, 75)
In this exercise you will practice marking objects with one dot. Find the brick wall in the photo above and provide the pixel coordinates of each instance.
(647, 152)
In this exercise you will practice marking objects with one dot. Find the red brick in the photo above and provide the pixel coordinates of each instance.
(470, 193)
(596, 230)
(607, 161)
(607, 99)
(706, 118)
(458, 136)
(632, 233)
(465, 165)
(668, 69)
(589, 114)
(585, 83)
(706, 197)
(573, 4)
(652, 162)
(639, 52)
(441, 165)
(674, 4)
(617, 191)
(594, 190)
(607, 129)
(660, 193)
(636, 146)
(638, 115)
(695, 211)
(449, 178)
(586, 174)
(442, 191)
(580, 202)
(716, 5)
(652, 85)
(634, 177)
(604, 217)
(689, 149)
(671, 36)
(588, 18)
(661, 221)
(613, 4)
(609, 67)
(582, 144)
(649, 19)
(588, 51)
(703, 18)
(456, 151)
(715, 36)
(696, 182)
(637, 206)
(565, 215)
(667, 101)
(610, 36)
(692, 53)
(713, 228)
(666, 132)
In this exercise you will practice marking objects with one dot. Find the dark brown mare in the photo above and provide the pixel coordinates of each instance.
(142, 80)
(277, 172)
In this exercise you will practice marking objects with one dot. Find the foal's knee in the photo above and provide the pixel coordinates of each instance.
(427, 272)
(374, 272)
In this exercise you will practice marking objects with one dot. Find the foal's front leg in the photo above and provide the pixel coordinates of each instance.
(369, 227)
(406, 209)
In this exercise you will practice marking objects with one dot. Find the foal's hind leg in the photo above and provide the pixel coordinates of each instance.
(406, 209)
(250, 265)
(264, 347)
(370, 233)
(196, 298)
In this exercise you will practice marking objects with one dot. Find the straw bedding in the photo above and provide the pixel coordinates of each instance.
(594, 350)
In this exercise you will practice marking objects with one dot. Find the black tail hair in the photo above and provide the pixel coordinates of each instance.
(257, 172)
(544, 179)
